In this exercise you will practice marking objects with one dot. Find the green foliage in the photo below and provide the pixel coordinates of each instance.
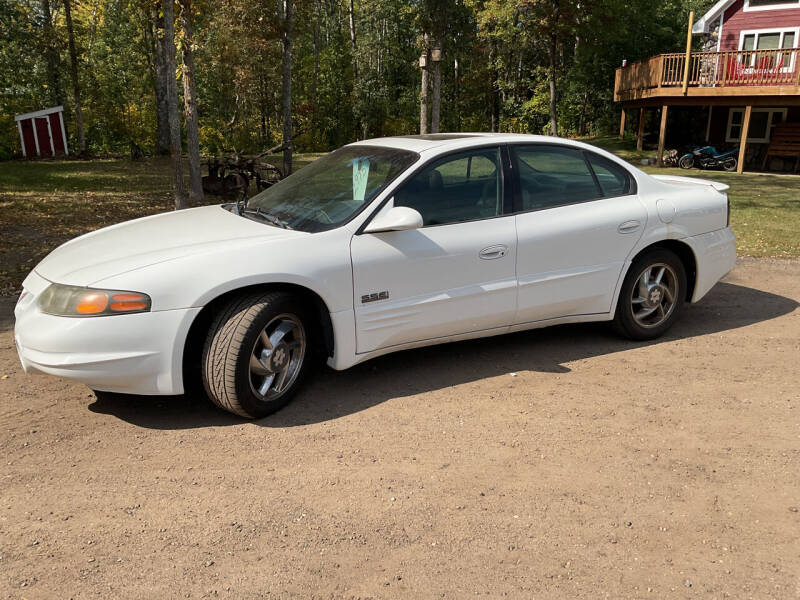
(494, 52)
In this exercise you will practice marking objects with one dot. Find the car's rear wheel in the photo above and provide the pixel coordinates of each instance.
(652, 295)
(257, 353)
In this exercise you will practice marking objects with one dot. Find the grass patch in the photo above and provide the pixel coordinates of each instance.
(45, 203)
(623, 148)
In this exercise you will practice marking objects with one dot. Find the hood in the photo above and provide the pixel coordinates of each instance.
(142, 242)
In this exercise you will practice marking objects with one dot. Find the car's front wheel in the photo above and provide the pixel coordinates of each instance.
(652, 295)
(257, 353)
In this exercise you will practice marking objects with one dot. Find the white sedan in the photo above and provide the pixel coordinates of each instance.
(382, 245)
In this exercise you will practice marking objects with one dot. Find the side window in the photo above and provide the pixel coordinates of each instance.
(553, 176)
(459, 187)
(613, 179)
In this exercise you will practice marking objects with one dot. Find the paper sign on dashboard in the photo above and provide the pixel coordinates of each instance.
(360, 175)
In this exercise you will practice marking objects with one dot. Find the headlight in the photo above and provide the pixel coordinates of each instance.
(73, 301)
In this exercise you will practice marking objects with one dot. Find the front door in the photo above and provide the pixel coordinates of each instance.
(578, 219)
(454, 275)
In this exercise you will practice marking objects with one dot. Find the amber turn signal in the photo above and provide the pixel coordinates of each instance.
(127, 302)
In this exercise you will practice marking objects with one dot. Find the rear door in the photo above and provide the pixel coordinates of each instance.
(454, 275)
(578, 218)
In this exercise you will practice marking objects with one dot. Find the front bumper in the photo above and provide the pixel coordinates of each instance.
(133, 354)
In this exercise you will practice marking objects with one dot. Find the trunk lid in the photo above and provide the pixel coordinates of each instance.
(680, 180)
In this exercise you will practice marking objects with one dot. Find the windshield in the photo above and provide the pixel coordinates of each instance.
(331, 190)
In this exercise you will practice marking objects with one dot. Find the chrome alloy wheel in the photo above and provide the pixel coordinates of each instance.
(654, 295)
(277, 356)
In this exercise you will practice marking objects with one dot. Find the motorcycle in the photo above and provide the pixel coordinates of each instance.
(707, 157)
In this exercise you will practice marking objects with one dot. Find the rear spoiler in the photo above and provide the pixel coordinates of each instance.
(677, 179)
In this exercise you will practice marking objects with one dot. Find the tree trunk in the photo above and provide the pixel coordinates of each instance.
(423, 102)
(494, 103)
(582, 119)
(51, 56)
(437, 89)
(178, 187)
(93, 31)
(262, 108)
(263, 120)
(552, 78)
(424, 63)
(456, 101)
(160, 83)
(357, 102)
(76, 88)
(288, 32)
(315, 75)
(353, 44)
(190, 106)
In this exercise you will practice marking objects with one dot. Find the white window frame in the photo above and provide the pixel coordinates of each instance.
(750, 139)
(783, 31)
(782, 6)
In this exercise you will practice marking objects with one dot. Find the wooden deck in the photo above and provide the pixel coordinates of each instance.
(712, 76)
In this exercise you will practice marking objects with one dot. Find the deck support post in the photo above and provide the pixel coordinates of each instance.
(688, 58)
(748, 111)
(622, 124)
(640, 133)
(661, 135)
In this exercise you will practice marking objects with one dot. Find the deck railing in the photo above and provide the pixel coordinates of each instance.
(710, 69)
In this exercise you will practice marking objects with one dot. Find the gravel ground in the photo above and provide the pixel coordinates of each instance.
(555, 463)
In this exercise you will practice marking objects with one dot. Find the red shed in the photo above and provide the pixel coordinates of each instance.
(42, 132)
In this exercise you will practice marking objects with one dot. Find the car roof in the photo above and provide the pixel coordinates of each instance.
(442, 142)
(433, 144)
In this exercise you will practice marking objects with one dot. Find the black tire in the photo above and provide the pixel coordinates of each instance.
(686, 162)
(729, 164)
(233, 338)
(625, 321)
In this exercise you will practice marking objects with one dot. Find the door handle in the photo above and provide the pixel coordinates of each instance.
(493, 252)
(629, 226)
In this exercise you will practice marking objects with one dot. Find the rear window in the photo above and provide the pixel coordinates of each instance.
(613, 179)
(553, 176)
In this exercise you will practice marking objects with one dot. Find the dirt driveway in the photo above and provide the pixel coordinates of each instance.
(555, 463)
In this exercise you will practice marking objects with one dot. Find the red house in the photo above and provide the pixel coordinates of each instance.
(42, 133)
(746, 81)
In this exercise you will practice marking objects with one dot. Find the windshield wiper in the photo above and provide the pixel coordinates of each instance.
(266, 216)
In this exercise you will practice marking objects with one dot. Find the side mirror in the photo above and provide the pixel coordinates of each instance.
(398, 218)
